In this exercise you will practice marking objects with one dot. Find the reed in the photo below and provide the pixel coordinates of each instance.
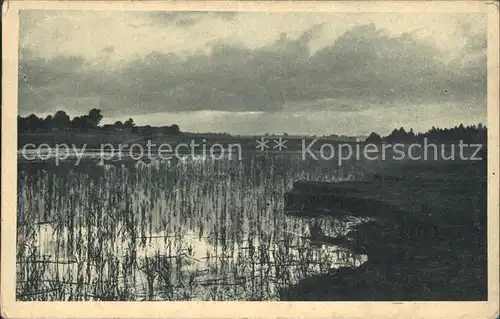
(187, 230)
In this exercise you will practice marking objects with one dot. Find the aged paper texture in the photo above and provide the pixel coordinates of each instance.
(250, 159)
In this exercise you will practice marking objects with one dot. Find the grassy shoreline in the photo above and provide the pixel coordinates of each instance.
(412, 254)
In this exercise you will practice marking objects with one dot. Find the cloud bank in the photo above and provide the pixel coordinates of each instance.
(304, 66)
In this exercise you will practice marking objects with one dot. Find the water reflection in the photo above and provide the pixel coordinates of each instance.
(201, 230)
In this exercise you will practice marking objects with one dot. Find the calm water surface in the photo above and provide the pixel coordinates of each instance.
(190, 230)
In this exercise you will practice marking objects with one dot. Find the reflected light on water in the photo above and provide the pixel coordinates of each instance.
(206, 230)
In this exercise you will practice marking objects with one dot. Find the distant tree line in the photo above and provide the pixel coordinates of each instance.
(214, 134)
(119, 125)
(344, 138)
(61, 121)
(467, 134)
(149, 130)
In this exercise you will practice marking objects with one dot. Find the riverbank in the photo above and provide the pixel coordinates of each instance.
(428, 241)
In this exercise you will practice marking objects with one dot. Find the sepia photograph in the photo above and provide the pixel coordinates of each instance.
(238, 153)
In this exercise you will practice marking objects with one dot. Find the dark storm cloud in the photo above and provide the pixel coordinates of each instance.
(364, 66)
(42, 81)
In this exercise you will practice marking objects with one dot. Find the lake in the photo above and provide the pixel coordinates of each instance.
(196, 229)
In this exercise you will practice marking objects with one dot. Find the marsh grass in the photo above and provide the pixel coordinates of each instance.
(196, 229)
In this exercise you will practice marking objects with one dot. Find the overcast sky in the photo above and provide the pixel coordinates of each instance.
(250, 73)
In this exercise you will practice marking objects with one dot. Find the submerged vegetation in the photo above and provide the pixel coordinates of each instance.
(193, 230)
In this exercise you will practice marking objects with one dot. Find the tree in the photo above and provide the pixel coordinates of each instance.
(147, 131)
(48, 123)
(33, 123)
(175, 129)
(61, 120)
(129, 124)
(411, 137)
(22, 124)
(374, 138)
(81, 123)
(95, 117)
(118, 125)
(75, 122)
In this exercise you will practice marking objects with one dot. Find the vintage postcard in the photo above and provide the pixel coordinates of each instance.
(235, 159)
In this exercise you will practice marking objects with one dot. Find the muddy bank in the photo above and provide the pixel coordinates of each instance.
(427, 242)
